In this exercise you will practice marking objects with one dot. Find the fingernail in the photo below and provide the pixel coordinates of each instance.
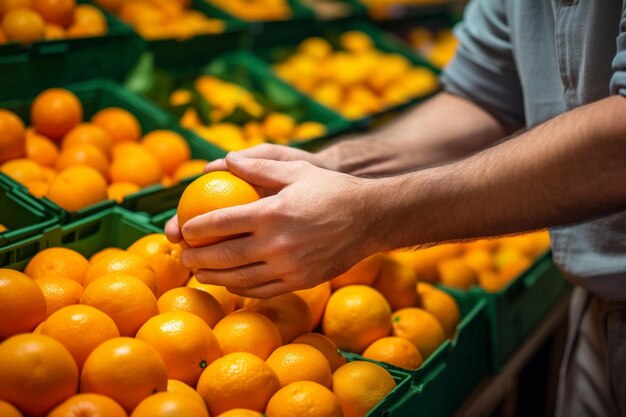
(234, 156)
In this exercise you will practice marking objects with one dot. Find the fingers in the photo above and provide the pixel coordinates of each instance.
(224, 255)
(217, 165)
(202, 230)
(172, 231)
(267, 290)
(264, 172)
(248, 276)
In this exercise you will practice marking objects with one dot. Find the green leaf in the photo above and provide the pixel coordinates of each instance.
(239, 117)
(140, 78)
(202, 106)
(280, 95)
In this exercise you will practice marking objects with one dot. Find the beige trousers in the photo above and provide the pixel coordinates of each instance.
(592, 380)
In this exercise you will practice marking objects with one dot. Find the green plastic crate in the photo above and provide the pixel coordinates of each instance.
(516, 310)
(98, 94)
(331, 32)
(29, 69)
(252, 73)
(22, 215)
(114, 227)
(451, 373)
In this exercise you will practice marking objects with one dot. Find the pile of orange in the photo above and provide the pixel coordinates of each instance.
(490, 263)
(226, 98)
(127, 332)
(77, 163)
(28, 21)
(357, 79)
(439, 47)
(255, 10)
(163, 19)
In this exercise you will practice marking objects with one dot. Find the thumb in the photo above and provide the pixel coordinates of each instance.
(264, 173)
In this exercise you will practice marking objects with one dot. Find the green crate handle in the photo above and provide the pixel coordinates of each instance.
(533, 274)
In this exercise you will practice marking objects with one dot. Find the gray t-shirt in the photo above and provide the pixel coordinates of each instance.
(526, 61)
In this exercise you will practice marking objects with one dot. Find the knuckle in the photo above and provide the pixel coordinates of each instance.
(230, 256)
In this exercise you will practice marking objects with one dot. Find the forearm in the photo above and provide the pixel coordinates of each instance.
(444, 128)
(564, 171)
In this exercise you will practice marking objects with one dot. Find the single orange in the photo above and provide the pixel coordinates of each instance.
(455, 273)
(60, 12)
(420, 328)
(118, 191)
(237, 380)
(184, 341)
(247, 331)
(124, 369)
(304, 399)
(212, 191)
(89, 133)
(83, 154)
(478, 259)
(101, 253)
(279, 126)
(363, 273)
(53, 31)
(38, 188)
(300, 362)
(192, 300)
(59, 292)
(22, 304)
(81, 329)
(316, 298)
(164, 258)
(361, 385)
(123, 262)
(41, 149)
(395, 351)
(88, 16)
(36, 366)
(396, 282)
(178, 387)
(124, 298)
(226, 299)
(356, 316)
(168, 147)
(138, 167)
(121, 124)
(88, 405)
(167, 404)
(325, 345)
(23, 25)
(58, 261)
(55, 112)
(490, 281)
(441, 305)
(8, 410)
(191, 168)
(289, 312)
(12, 141)
(78, 187)
(23, 170)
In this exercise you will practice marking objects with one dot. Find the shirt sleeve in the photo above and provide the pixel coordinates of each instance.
(618, 81)
(483, 69)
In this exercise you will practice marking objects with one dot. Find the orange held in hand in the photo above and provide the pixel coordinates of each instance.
(213, 191)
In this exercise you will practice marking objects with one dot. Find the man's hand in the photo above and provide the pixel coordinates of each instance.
(273, 152)
(310, 227)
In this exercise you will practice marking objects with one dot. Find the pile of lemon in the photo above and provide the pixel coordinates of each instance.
(224, 99)
(358, 80)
